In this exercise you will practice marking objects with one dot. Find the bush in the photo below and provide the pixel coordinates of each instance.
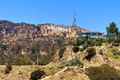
(90, 43)
(75, 49)
(115, 44)
(115, 51)
(23, 60)
(103, 72)
(38, 74)
(79, 42)
(61, 52)
(99, 42)
(8, 68)
(44, 59)
(101, 52)
(91, 52)
(74, 62)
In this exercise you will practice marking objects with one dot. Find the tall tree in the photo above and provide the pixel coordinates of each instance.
(112, 31)
(36, 51)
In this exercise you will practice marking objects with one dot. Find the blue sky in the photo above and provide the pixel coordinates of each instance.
(91, 14)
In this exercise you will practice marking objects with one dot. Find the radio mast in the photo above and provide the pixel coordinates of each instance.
(74, 23)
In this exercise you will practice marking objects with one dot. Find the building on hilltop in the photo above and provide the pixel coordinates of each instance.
(92, 34)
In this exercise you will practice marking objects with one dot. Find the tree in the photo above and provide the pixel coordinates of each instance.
(61, 46)
(36, 51)
(112, 31)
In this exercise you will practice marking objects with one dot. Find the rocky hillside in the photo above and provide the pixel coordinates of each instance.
(101, 67)
(48, 29)
(32, 40)
(11, 32)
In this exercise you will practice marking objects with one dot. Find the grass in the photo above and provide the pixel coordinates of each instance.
(52, 68)
(23, 72)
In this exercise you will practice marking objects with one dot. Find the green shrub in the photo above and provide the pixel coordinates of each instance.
(74, 62)
(98, 42)
(61, 52)
(79, 42)
(23, 60)
(115, 51)
(44, 60)
(90, 43)
(115, 44)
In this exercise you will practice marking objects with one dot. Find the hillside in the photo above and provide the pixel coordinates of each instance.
(99, 68)
(56, 52)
